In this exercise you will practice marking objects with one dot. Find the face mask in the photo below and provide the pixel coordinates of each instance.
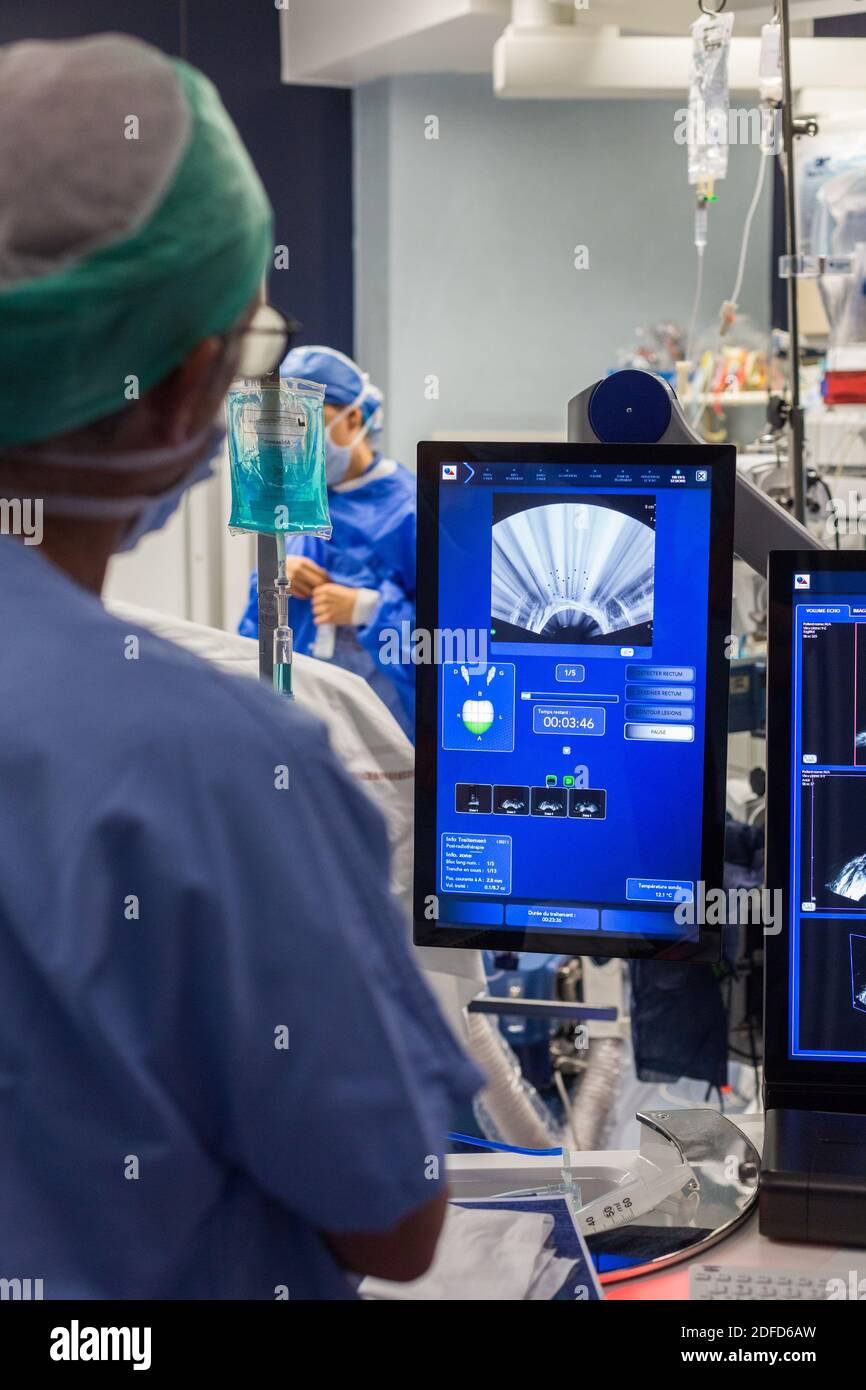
(337, 460)
(160, 510)
(145, 514)
(339, 456)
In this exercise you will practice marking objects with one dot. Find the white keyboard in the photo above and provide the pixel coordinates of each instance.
(750, 1285)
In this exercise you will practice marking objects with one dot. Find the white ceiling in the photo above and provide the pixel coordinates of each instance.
(345, 42)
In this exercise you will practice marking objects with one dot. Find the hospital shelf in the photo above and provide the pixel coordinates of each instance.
(727, 398)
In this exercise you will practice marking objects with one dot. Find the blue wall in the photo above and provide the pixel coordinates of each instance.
(299, 137)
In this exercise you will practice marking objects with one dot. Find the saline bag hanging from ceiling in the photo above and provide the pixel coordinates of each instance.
(709, 99)
(707, 130)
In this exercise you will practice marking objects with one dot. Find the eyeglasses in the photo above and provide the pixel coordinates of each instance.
(265, 341)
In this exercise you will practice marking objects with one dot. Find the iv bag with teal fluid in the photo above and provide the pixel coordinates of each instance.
(276, 437)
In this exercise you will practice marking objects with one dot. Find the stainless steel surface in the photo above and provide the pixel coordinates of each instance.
(725, 1164)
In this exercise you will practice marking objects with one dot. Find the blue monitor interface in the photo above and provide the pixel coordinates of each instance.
(570, 760)
(827, 982)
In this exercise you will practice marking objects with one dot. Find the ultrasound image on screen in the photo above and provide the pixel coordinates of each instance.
(858, 972)
(573, 572)
(832, 987)
(833, 841)
(834, 694)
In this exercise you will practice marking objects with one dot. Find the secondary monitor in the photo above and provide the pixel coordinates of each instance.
(574, 609)
(816, 827)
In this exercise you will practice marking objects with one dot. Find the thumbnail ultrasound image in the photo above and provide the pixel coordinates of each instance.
(833, 841)
(587, 803)
(834, 695)
(832, 987)
(577, 572)
(550, 802)
(511, 801)
(472, 798)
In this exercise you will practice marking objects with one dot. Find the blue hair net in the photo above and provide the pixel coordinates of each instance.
(343, 380)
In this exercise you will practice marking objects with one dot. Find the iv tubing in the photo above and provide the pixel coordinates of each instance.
(747, 227)
(477, 1143)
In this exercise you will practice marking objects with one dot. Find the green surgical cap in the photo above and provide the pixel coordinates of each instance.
(132, 226)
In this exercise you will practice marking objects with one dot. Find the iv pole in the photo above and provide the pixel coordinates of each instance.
(791, 128)
(271, 595)
(274, 588)
(267, 565)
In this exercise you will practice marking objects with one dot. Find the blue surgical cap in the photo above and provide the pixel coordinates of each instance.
(343, 380)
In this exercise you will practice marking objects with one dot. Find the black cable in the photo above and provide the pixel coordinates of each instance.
(754, 1050)
(822, 482)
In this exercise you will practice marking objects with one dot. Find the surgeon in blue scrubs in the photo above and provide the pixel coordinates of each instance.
(353, 597)
(221, 1075)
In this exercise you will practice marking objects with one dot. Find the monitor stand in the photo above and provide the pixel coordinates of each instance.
(813, 1177)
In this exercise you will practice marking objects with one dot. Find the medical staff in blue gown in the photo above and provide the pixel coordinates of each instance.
(353, 597)
(221, 1074)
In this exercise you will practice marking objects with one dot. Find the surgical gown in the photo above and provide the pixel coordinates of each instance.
(372, 547)
(214, 1043)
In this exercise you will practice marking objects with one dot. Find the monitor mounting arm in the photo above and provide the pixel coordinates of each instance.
(637, 407)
